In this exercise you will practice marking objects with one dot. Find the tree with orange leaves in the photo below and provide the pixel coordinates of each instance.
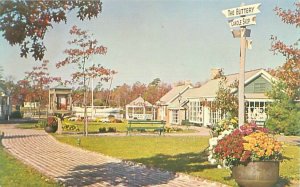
(284, 112)
(40, 80)
(25, 23)
(289, 72)
(83, 47)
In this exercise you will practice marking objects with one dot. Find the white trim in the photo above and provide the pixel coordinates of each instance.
(180, 93)
(261, 100)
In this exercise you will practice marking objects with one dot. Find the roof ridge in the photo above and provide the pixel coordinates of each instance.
(246, 71)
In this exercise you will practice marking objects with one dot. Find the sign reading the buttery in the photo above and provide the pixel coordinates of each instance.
(242, 10)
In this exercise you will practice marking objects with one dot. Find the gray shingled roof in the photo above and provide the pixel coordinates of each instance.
(173, 93)
(210, 88)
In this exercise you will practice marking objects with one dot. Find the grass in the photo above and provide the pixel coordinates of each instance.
(177, 154)
(29, 126)
(93, 127)
(14, 173)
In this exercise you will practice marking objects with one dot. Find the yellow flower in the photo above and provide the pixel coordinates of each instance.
(247, 146)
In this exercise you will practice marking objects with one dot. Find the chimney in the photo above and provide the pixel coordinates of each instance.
(215, 73)
(187, 82)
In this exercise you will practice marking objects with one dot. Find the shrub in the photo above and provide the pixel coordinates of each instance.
(102, 130)
(16, 115)
(40, 124)
(118, 121)
(112, 129)
(284, 112)
(172, 129)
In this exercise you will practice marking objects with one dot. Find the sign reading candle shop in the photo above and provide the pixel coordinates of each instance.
(242, 21)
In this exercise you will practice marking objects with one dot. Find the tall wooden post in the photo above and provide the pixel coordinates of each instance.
(242, 77)
(246, 18)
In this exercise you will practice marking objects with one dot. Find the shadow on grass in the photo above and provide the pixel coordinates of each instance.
(115, 174)
(185, 163)
(283, 181)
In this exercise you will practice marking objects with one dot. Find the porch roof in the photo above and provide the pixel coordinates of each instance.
(139, 102)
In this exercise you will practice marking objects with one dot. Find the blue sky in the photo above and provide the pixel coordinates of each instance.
(168, 39)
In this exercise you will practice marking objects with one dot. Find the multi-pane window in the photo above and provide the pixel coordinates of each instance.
(148, 110)
(196, 112)
(174, 118)
(215, 115)
(256, 111)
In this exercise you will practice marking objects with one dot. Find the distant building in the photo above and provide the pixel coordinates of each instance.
(165, 104)
(60, 100)
(140, 109)
(5, 104)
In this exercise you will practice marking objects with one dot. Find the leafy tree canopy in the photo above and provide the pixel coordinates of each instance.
(25, 23)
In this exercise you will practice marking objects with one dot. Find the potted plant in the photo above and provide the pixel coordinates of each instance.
(251, 152)
(51, 124)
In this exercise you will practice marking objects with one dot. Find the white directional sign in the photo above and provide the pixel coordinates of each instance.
(242, 21)
(242, 10)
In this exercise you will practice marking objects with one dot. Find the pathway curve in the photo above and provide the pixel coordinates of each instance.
(77, 167)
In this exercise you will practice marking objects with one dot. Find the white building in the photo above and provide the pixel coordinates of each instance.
(5, 105)
(195, 104)
(140, 109)
(168, 104)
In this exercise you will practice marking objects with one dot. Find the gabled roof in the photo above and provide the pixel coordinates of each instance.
(61, 87)
(210, 88)
(139, 102)
(173, 94)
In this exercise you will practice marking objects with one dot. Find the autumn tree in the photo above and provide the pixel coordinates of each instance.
(23, 92)
(40, 80)
(137, 89)
(25, 23)
(82, 47)
(284, 112)
(226, 101)
(124, 94)
(155, 90)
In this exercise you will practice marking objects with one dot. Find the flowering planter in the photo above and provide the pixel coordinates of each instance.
(260, 173)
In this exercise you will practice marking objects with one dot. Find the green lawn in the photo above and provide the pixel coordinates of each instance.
(14, 173)
(178, 154)
(93, 127)
(29, 126)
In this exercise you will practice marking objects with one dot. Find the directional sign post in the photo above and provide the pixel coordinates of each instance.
(242, 10)
(242, 21)
(246, 18)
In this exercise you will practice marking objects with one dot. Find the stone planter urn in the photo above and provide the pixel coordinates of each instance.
(50, 129)
(260, 173)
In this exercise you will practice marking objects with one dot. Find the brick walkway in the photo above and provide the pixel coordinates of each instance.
(76, 167)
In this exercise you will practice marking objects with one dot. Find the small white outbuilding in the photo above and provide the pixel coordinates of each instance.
(140, 109)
